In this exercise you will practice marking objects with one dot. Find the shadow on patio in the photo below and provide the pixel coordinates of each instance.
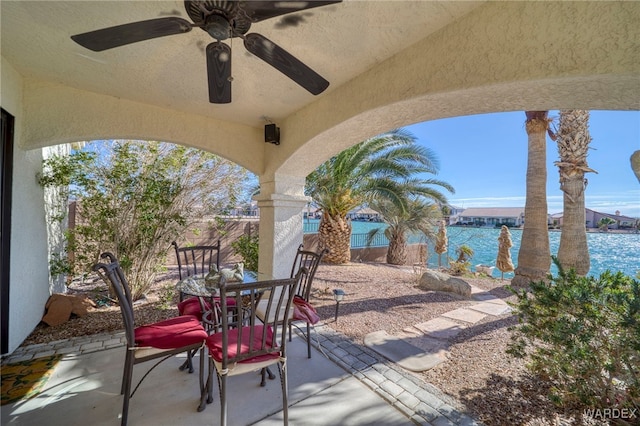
(349, 386)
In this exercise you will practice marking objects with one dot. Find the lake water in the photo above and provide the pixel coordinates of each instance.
(616, 252)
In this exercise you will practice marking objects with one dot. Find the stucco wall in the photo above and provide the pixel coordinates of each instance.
(29, 270)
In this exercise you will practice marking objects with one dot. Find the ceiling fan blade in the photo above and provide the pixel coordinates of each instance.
(219, 72)
(261, 10)
(285, 62)
(108, 38)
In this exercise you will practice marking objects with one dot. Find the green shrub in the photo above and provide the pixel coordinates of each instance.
(459, 268)
(461, 265)
(583, 335)
(247, 247)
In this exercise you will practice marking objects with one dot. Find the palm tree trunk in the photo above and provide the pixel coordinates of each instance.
(573, 146)
(397, 251)
(635, 164)
(534, 257)
(334, 233)
(573, 251)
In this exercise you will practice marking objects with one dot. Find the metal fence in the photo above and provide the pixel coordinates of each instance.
(310, 227)
(360, 240)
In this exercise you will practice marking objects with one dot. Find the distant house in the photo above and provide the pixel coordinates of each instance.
(312, 212)
(454, 212)
(365, 214)
(556, 219)
(247, 210)
(592, 218)
(490, 216)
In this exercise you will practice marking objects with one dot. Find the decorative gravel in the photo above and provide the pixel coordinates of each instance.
(479, 375)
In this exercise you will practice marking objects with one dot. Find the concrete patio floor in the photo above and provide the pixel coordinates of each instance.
(345, 384)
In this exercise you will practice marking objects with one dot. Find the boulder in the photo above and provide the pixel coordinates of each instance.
(438, 281)
(59, 308)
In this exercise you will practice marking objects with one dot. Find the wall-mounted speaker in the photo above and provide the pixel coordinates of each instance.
(272, 134)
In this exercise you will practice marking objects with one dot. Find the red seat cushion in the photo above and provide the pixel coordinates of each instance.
(214, 342)
(191, 306)
(172, 333)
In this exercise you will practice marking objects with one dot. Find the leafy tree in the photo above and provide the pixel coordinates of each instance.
(135, 197)
(583, 335)
(383, 167)
(418, 217)
(247, 247)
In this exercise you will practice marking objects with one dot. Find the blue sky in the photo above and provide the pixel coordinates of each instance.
(484, 157)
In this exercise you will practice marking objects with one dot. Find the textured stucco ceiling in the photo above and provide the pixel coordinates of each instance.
(338, 41)
(389, 64)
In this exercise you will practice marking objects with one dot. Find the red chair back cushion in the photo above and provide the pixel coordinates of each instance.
(191, 306)
(303, 311)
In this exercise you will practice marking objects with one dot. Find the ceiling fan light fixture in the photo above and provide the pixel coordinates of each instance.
(218, 27)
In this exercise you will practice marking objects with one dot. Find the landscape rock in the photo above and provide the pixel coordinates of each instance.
(438, 281)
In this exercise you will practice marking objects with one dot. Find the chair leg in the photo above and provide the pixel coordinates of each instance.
(308, 340)
(263, 378)
(127, 371)
(188, 363)
(282, 369)
(223, 399)
(126, 387)
(206, 387)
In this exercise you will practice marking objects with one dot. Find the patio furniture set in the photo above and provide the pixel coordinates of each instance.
(239, 324)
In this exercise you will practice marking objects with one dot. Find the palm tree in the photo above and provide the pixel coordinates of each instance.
(381, 167)
(635, 163)
(604, 223)
(418, 216)
(573, 145)
(461, 265)
(534, 257)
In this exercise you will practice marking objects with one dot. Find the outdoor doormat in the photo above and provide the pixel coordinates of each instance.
(26, 379)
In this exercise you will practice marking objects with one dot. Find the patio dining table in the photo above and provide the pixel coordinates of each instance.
(209, 292)
(198, 287)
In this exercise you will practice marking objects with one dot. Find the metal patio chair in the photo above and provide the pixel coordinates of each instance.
(309, 260)
(194, 261)
(161, 340)
(260, 339)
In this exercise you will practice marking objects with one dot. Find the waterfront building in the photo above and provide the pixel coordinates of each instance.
(490, 216)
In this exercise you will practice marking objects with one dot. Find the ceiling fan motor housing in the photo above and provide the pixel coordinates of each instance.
(222, 19)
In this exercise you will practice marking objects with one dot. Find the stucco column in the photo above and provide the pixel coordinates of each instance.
(281, 202)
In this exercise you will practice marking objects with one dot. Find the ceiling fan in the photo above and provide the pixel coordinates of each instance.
(221, 19)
